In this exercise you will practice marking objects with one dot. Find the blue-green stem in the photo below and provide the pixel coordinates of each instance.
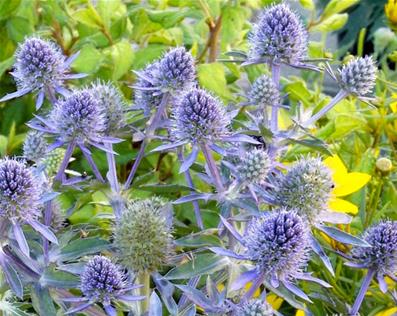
(361, 293)
(216, 177)
(276, 81)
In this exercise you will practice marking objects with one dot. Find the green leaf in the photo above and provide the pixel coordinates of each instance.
(307, 4)
(337, 6)
(233, 20)
(164, 188)
(6, 64)
(88, 16)
(3, 145)
(88, 61)
(200, 264)
(59, 279)
(18, 28)
(82, 247)
(212, 77)
(7, 8)
(147, 55)
(202, 239)
(333, 23)
(167, 18)
(122, 56)
(42, 301)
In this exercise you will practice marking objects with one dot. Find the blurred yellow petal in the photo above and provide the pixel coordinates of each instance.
(342, 206)
(352, 182)
(388, 312)
(274, 301)
(335, 164)
(300, 312)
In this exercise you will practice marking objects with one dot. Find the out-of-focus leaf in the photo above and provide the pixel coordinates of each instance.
(7, 8)
(212, 77)
(202, 239)
(200, 264)
(6, 64)
(88, 61)
(3, 145)
(18, 28)
(164, 188)
(307, 4)
(122, 56)
(167, 18)
(88, 16)
(333, 23)
(337, 6)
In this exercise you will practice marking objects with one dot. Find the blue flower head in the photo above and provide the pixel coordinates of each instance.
(264, 93)
(35, 146)
(279, 35)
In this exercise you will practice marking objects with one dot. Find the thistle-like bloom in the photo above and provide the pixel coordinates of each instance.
(264, 93)
(143, 235)
(113, 106)
(278, 244)
(53, 161)
(40, 66)
(279, 36)
(255, 166)
(256, 307)
(199, 117)
(307, 187)
(380, 259)
(35, 146)
(176, 70)
(20, 200)
(358, 76)
(79, 118)
(103, 282)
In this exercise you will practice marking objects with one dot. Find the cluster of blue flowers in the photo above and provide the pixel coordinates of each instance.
(269, 216)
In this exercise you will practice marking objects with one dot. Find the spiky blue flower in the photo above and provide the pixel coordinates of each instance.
(255, 166)
(40, 66)
(279, 35)
(306, 187)
(176, 70)
(113, 105)
(257, 307)
(79, 117)
(382, 255)
(35, 146)
(358, 76)
(19, 191)
(278, 244)
(264, 93)
(199, 117)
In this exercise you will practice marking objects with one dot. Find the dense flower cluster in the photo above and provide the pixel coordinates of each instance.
(255, 308)
(263, 92)
(35, 146)
(255, 166)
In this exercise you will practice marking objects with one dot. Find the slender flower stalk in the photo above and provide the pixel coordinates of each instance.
(363, 289)
(93, 166)
(212, 168)
(276, 81)
(60, 176)
(190, 183)
(144, 278)
(151, 128)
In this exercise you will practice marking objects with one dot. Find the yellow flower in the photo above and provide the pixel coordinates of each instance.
(345, 183)
(300, 312)
(274, 301)
(391, 12)
(388, 312)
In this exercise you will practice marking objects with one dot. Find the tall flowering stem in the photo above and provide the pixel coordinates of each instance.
(212, 167)
(190, 183)
(276, 81)
(153, 124)
(68, 154)
(93, 166)
(144, 279)
(363, 290)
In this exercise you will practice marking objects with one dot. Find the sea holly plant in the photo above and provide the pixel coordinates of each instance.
(217, 185)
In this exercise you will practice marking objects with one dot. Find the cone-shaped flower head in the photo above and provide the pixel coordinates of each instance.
(358, 76)
(79, 117)
(264, 93)
(147, 95)
(382, 256)
(53, 161)
(39, 63)
(255, 166)
(176, 71)
(35, 146)
(306, 187)
(19, 191)
(102, 280)
(255, 308)
(143, 235)
(278, 243)
(113, 106)
(199, 117)
(279, 35)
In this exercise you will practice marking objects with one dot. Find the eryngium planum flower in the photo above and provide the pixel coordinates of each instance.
(79, 117)
(35, 146)
(19, 191)
(279, 35)
(143, 235)
(257, 307)
(199, 117)
(113, 105)
(278, 244)
(306, 187)
(176, 70)
(264, 93)
(255, 166)
(40, 66)
(102, 280)
(382, 255)
(358, 76)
